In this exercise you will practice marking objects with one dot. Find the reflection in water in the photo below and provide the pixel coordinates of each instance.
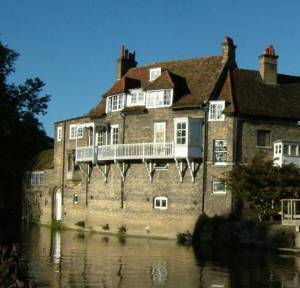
(55, 248)
(70, 259)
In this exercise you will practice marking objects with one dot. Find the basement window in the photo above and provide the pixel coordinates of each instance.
(160, 203)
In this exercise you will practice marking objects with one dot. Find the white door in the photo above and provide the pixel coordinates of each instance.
(57, 205)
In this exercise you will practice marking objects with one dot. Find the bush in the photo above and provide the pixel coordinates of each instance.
(105, 227)
(56, 225)
(220, 230)
(80, 224)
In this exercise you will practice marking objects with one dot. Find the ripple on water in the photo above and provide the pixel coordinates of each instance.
(72, 259)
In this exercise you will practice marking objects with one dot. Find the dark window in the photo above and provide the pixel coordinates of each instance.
(263, 138)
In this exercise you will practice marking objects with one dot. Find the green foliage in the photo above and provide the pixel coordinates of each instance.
(105, 227)
(122, 234)
(56, 225)
(184, 238)
(22, 135)
(263, 185)
(245, 233)
(80, 224)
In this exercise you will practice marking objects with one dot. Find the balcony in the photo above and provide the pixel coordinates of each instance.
(136, 151)
(286, 152)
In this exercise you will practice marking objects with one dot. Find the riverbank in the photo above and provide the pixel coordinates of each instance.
(244, 233)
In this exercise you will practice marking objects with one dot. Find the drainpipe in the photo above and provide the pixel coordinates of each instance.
(205, 152)
(123, 140)
(63, 164)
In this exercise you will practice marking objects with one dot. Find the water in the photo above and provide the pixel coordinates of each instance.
(73, 259)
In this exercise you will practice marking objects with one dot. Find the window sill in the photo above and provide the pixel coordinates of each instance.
(220, 164)
(219, 193)
(263, 147)
(216, 120)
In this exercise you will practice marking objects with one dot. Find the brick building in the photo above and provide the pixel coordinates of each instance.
(154, 153)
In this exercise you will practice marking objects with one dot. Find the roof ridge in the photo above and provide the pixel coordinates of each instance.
(176, 61)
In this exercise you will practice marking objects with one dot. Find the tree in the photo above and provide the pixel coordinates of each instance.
(22, 135)
(263, 185)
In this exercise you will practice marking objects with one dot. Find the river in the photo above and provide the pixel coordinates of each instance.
(76, 259)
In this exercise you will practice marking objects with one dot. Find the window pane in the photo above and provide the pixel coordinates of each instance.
(220, 151)
(263, 138)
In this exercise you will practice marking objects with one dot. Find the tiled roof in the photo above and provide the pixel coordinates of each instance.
(99, 111)
(194, 79)
(255, 98)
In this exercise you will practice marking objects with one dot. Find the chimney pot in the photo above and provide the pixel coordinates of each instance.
(125, 62)
(268, 66)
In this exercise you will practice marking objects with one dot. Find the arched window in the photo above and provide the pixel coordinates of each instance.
(160, 203)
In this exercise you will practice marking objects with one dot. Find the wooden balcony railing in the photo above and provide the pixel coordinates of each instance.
(126, 152)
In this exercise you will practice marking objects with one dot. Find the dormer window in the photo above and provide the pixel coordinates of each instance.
(159, 98)
(154, 73)
(136, 97)
(115, 103)
(216, 109)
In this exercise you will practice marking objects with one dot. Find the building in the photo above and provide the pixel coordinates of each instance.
(154, 153)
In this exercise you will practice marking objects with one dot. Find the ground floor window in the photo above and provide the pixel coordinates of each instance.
(37, 178)
(219, 187)
(160, 203)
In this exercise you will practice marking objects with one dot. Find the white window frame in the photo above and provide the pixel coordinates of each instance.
(217, 151)
(218, 192)
(58, 133)
(37, 178)
(160, 200)
(73, 131)
(177, 136)
(216, 109)
(154, 73)
(103, 135)
(158, 98)
(115, 102)
(139, 95)
(112, 134)
(155, 127)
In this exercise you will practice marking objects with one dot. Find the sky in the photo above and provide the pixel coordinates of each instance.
(73, 45)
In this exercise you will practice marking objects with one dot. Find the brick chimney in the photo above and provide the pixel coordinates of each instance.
(228, 51)
(125, 62)
(268, 66)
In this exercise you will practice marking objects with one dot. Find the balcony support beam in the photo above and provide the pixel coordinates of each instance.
(150, 169)
(181, 167)
(87, 172)
(104, 171)
(123, 168)
(191, 165)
